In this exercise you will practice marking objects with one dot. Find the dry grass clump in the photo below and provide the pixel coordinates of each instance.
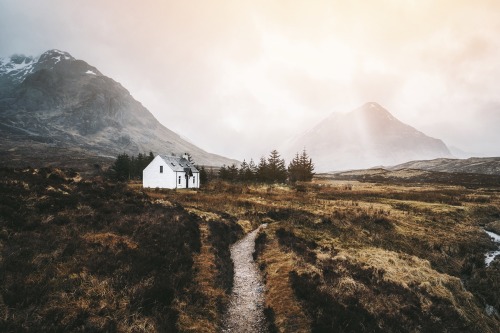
(86, 255)
(202, 305)
(368, 259)
(283, 310)
(416, 275)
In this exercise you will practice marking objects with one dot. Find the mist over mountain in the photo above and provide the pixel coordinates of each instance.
(366, 137)
(55, 100)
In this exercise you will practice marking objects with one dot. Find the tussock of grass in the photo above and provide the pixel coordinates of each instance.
(362, 261)
(288, 315)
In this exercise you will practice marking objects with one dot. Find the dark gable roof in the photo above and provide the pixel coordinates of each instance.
(178, 164)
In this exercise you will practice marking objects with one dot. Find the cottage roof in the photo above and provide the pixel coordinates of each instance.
(178, 163)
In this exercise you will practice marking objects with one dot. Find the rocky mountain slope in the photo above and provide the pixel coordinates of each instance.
(55, 102)
(479, 165)
(366, 137)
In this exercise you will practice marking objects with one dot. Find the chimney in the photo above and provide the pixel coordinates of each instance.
(185, 156)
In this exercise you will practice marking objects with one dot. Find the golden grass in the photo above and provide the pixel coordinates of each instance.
(208, 318)
(420, 250)
(110, 240)
(289, 315)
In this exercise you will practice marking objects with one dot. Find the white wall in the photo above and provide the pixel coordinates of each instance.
(151, 176)
(194, 182)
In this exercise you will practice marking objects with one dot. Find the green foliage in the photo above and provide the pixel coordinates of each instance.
(126, 167)
(270, 170)
(203, 175)
(301, 168)
(276, 169)
(262, 170)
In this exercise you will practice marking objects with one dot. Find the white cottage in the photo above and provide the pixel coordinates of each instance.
(170, 172)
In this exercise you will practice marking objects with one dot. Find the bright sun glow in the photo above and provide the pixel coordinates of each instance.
(279, 67)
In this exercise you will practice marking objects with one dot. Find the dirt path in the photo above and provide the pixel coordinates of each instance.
(246, 310)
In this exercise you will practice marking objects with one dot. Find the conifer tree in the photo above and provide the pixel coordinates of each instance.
(262, 170)
(251, 171)
(276, 168)
(253, 168)
(203, 175)
(121, 167)
(294, 169)
(301, 168)
(190, 158)
(232, 172)
(242, 171)
(307, 167)
(223, 172)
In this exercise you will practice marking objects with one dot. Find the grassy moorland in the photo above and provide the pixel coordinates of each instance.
(346, 256)
(337, 256)
(87, 255)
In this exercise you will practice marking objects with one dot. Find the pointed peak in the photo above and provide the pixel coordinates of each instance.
(55, 56)
(373, 109)
(372, 106)
(20, 59)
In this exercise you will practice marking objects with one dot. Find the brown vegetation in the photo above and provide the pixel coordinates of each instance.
(351, 257)
(91, 256)
(345, 256)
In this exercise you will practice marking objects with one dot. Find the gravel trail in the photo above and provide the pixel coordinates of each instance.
(246, 309)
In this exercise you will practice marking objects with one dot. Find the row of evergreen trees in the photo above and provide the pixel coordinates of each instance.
(271, 170)
(130, 167)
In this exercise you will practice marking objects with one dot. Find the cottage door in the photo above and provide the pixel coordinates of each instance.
(187, 180)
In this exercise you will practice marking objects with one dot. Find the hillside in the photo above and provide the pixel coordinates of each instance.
(55, 102)
(405, 176)
(479, 165)
(366, 137)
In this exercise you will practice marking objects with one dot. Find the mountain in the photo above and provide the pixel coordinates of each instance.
(366, 137)
(55, 103)
(478, 165)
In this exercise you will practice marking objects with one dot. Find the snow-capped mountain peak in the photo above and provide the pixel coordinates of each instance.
(53, 57)
(57, 100)
(17, 67)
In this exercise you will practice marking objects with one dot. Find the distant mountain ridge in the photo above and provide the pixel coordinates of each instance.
(59, 101)
(366, 137)
(477, 165)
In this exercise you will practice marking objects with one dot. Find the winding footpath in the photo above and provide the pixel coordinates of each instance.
(246, 309)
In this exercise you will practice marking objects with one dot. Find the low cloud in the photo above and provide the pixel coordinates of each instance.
(240, 78)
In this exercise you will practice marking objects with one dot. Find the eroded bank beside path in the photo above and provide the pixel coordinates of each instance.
(246, 308)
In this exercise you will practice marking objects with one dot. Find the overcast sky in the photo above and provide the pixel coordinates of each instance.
(239, 78)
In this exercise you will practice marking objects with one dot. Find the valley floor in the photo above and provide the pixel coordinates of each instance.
(336, 256)
(349, 256)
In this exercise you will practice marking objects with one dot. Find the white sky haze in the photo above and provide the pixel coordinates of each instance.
(239, 78)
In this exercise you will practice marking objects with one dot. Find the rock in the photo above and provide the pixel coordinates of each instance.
(493, 227)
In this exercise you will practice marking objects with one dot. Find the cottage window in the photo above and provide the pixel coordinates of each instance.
(161, 168)
(179, 180)
(194, 178)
